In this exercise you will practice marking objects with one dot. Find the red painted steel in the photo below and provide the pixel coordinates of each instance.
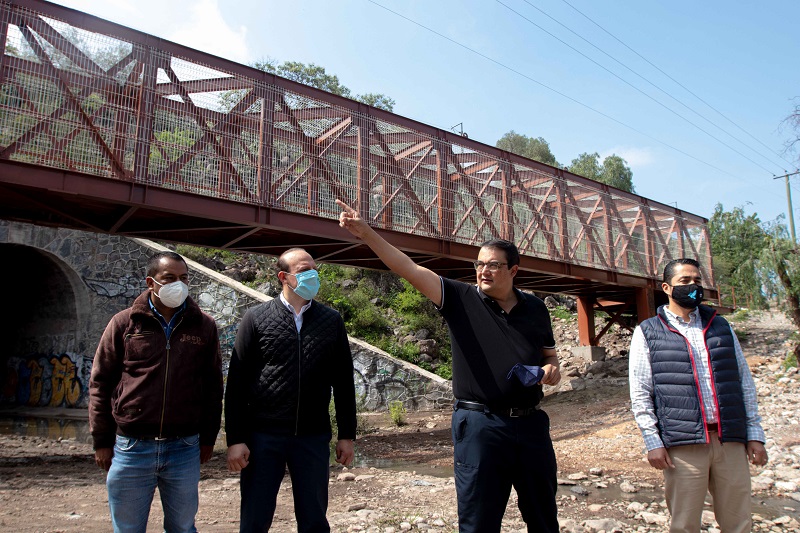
(83, 96)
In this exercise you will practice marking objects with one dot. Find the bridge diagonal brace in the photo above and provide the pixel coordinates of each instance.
(536, 218)
(400, 187)
(467, 213)
(70, 98)
(312, 151)
(586, 229)
(44, 124)
(665, 250)
(691, 243)
(625, 233)
(649, 216)
(469, 184)
(407, 190)
(54, 37)
(221, 150)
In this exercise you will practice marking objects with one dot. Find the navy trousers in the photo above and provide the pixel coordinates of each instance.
(308, 459)
(492, 453)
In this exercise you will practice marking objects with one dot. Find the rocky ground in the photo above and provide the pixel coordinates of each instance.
(403, 481)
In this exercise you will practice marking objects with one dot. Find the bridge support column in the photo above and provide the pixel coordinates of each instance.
(586, 333)
(645, 304)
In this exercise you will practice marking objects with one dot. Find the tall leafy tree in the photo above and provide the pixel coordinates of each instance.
(316, 76)
(782, 256)
(617, 173)
(736, 243)
(782, 253)
(587, 165)
(613, 171)
(533, 148)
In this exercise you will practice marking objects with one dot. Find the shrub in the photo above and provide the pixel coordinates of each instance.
(417, 312)
(790, 361)
(739, 315)
(740, 334)
(199, 254)
(397, 412)
(445, 371)
(562, 313)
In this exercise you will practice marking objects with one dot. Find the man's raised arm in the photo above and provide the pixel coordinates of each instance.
(423, 279)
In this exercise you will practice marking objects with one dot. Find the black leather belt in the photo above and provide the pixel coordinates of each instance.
(508, 411)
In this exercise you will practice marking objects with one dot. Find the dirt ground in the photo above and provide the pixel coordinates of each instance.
(52, 486)
(402, 478)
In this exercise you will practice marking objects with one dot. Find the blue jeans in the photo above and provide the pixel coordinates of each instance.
(308, 460)
(491, 454)
(138, 467)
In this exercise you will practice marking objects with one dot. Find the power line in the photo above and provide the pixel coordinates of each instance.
(720, 113)
(645, 79)
(570, 98)
(626, 82)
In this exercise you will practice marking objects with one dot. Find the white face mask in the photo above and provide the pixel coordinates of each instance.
(172, 294)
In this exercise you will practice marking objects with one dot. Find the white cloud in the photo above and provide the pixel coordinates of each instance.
(206, 30)
(637, 157)
(197, 24)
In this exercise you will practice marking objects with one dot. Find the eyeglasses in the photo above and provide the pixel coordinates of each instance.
(492, 266)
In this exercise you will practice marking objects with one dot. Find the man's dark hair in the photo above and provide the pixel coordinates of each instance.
(281, 265)
(669, 270)
(155, 260)
(512, 254)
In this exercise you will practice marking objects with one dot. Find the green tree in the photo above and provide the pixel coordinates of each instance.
(617, 173)
(736, 243)
(316, 76)
(782, 257)
(780, 252)
(587, 165)
(533, 148)
(613, 171)
(381, 101)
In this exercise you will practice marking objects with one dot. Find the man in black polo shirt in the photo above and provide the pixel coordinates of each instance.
(503, 350)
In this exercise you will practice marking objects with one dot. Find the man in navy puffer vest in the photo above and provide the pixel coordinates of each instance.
(694, 400)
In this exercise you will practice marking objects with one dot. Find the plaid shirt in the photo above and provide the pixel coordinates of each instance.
(641, 381)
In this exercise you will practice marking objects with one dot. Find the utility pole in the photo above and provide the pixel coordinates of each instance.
(789, 199)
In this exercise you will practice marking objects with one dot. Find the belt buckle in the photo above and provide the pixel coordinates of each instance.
(161, 439)
(513, 412)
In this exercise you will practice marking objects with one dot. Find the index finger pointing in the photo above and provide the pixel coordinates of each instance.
(344, 206)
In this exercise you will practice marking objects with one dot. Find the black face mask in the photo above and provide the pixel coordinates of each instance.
(687, 296)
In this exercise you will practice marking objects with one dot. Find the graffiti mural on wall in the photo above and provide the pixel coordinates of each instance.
(54, 380)
(126, 287)
(381, 380)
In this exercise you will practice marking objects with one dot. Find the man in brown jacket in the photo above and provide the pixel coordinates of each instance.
(155, 400)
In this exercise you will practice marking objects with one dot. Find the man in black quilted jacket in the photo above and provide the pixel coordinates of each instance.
(288, 356)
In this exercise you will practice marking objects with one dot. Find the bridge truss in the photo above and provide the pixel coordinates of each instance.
(107, 129)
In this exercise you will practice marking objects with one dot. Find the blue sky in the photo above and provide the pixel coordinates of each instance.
(740, 57)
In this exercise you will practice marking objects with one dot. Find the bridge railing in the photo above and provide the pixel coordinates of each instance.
(82, 94)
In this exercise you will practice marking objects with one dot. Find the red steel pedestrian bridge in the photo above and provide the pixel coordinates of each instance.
(107, 129)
